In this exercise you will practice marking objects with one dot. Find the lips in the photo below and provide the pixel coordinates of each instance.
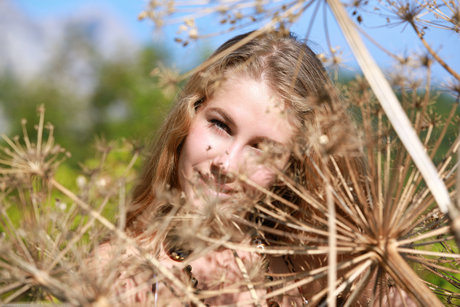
(215, 185)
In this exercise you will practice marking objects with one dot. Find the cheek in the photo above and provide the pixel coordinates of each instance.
(262, 176)
(258, 171)
(196, 147)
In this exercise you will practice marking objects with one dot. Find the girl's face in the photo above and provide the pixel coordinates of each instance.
(227, 138)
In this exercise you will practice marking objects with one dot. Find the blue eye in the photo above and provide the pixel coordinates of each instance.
(220, 125)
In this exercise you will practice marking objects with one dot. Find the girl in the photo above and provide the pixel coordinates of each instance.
(220, 152)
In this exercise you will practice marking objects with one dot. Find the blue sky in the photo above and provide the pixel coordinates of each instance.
(126, 10)
(394, 38)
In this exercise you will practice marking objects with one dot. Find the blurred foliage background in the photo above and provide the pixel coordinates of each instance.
(123, 102)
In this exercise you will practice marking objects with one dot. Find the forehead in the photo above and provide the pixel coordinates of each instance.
(253, 106)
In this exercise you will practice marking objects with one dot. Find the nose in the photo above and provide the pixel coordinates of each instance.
(225, 165)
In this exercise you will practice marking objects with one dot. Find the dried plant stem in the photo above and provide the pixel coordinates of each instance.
(9, 228)
(395, 113)
(319, 273)
(332, 256)
(376, 43)
(346, 227)
(344, 282)
(444, 130)
(456, 221)
(433, 53)
(123, 236)
(401, 272)
(360, 286)
(86, 207)
(248, 281)
(77, 237)
(43, 278)
(41, 111)
(444, 276)
(430, 234)
(428, 253)
(122, 207)
(17, 293)
(245, 40)
(10, 287)
(427, 263)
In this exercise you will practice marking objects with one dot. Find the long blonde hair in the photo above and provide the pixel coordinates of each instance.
(288, 66)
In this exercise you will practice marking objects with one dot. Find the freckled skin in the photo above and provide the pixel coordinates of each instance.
(225, 138)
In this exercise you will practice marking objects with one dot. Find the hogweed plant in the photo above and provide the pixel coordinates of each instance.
(47, 230)
(419, 16)
(371, 228)
(233, 15)
(371, 231)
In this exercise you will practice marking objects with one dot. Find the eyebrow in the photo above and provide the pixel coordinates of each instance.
(225, 116)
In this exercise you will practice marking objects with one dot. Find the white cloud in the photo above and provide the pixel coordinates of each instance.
(29, 44)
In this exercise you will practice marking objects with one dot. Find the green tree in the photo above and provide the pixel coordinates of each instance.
(123, 99)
